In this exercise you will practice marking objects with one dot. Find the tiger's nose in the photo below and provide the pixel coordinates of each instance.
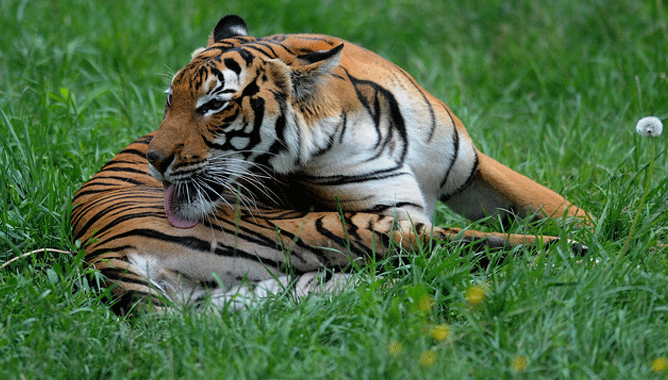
(159, 160)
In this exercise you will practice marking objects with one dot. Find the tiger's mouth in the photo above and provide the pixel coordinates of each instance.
(174, 202)
(188, 203)
(197, 198)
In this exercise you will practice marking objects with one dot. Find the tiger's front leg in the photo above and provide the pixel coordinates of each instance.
(412, 236)
(383, 232)
(397, 208)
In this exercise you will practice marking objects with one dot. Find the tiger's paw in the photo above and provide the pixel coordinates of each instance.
(577, 248)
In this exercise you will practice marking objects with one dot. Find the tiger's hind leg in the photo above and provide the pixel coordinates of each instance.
(497, 189)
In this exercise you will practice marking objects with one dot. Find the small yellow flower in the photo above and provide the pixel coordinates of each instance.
(440, 332)
(426, 303)
(519, 363)
(475, 294)
(428, 358)
(395, 348)
(660, 364)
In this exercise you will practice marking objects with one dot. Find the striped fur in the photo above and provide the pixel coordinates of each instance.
(279, 157)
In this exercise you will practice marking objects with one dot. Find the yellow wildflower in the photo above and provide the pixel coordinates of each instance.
(475, 294)
(519, 363)
(440, 332)
(428, 358)
(395, 348)
(426, 303)
(660, 364)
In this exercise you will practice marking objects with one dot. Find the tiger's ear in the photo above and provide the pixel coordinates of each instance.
(310, 69)
(228, 27)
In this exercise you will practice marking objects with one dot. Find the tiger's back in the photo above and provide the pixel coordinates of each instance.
(414, 135)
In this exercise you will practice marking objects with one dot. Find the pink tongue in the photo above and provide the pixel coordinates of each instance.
(171, 215)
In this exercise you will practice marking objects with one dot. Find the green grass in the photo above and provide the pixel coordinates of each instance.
(553, 89)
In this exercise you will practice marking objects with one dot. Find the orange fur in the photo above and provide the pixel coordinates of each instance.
(318, 154)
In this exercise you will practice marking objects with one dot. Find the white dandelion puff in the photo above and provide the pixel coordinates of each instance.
(649, 126)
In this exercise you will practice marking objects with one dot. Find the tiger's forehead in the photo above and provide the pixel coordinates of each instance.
(208, 75)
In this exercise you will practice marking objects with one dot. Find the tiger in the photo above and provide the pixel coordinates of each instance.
(281, 161)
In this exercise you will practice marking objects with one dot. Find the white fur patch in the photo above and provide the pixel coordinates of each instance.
(196, 52)
(149, 267)
(238, 30)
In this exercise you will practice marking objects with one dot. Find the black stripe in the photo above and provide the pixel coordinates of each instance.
(232, 65)
(114, 273)
(344, 125)
(424, 99)
(97, 182)
(469, 181)
(109, 187)
(124, 199)
(320, 227)
(376, 111)
(320, 55)
(260, 50)
(101, 251)
(246, 56)
(380, 208)
(455, 143)
(337, 180)
(130, 206)
(125, 169)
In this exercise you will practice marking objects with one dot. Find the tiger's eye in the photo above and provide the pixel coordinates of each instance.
(216, 104)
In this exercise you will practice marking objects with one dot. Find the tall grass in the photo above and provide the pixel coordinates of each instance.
(553, 89)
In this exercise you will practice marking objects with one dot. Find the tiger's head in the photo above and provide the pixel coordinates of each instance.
(243, 108)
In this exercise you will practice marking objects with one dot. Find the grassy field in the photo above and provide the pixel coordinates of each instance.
(552, 89)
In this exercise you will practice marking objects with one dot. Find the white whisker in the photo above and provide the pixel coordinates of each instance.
(225, 180)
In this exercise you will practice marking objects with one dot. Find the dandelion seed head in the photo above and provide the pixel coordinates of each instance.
(649, 126)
